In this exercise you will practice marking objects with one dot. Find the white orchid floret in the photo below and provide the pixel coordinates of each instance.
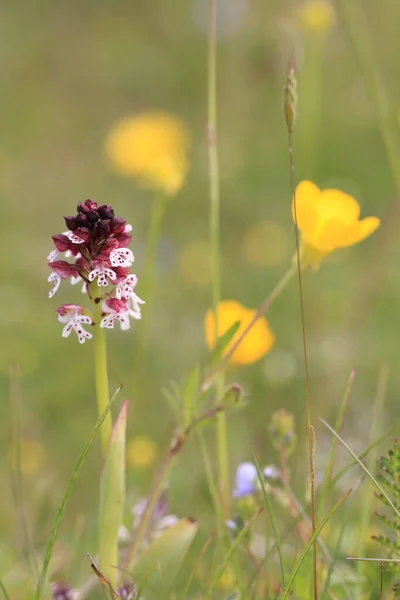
(71, 315)
(117, 310)
(121, 257)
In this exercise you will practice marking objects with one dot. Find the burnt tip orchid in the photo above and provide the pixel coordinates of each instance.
(96, 246)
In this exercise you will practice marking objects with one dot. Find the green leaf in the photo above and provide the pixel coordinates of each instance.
(190, 392)
(308, 546)
(223, 342)
(157, 567)
(112, 498)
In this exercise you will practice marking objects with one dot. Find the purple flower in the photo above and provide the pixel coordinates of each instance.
(63, 592)
(246, 479)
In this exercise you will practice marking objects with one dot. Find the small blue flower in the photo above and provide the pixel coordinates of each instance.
(246, 478)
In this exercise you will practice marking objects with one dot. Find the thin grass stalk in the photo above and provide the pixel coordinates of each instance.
(4, 591)
(67, 494)
(273, 521)
(232, 550)
(222, 436)
(331, 458)
(306, 550)
(212, 488)
(364, 468)
(290, 108)
(366, 506)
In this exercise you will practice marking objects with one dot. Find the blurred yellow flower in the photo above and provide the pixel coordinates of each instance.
(265, 244)
(317, 16)
(194, 262)
(151, 147)
(32, 456)
(227, 580)
(255, 344)
(141, 452)
(328, 219)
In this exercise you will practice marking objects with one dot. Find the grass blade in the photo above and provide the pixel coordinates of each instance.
(364, 468)
(231, 551)
(272, 518)
(112, 498)
(310, 543)
(67, 494)
(4, 591)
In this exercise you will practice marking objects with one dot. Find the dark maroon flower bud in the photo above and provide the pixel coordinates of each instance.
(62, 243)
(93, 216)
(117, 225)
(105, 211)
(90, 204)
(71, 223)
(82, 208)
(103, 229)
(81, 220)
(64, 269)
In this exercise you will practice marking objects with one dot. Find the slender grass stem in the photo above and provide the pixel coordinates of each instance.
(101, 377)
(305, 358)
(213, 161)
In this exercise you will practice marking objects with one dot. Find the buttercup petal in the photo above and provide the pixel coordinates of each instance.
(332, 234)
(359, 231)
(307, 195)
(335, 203)
(256, 343)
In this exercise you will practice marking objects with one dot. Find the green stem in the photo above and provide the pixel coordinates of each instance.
(101, 377)
(356, 28)
(222, 438)
(150, 260)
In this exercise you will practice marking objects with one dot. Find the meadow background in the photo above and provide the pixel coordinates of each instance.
(69, 70)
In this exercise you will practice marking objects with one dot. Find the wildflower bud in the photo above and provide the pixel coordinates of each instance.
(282, 430)
(127, 591)
(71, 223)
(290, 97)
(63, 592)
(105, 211)
(233, 397)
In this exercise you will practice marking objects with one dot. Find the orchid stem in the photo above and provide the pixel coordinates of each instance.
(101, 377)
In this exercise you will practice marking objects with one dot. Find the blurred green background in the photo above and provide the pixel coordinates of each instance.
(69, 70)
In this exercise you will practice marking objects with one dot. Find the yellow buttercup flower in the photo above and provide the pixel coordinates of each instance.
(328, 219)
(317, 16)
(151, 147)
(141, 452)
(255, 344)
